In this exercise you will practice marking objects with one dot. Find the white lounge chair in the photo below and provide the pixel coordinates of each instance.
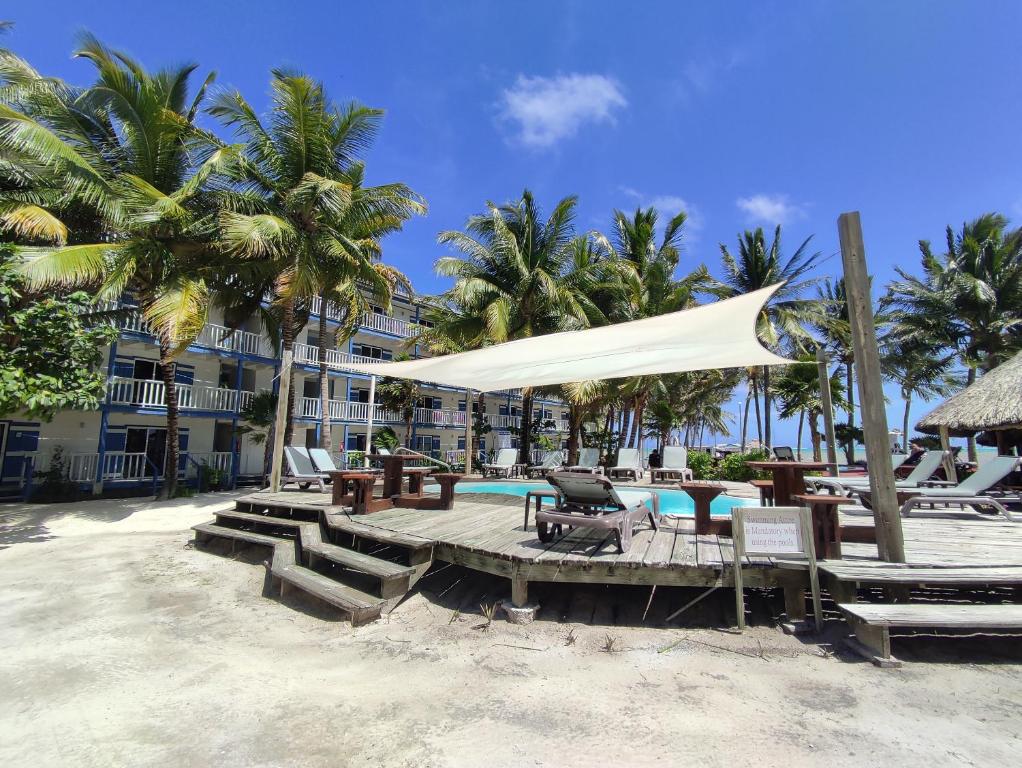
(628, 463)
(847, 486)
(300, 469)
(588, 461)
(674, 464)
(970, 491)
(504, 464)
(553, 460)
(322, 460)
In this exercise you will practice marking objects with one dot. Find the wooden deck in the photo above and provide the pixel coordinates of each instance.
(484, 533)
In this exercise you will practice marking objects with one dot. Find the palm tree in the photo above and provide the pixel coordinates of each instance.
(968, 299)
(649, 287)
(783, 319)
(401, 396)
(299, 218)
(920, 372)
(117, 158)
(798, 389)
(520, 276)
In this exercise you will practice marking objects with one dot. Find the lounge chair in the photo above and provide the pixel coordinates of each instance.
(970, 491)
(593, 502)
(784, 453)
(588, 461)
(300, 469)
(324, 462)
(628, 463)
(847, 486)
(552, 461)
(674, 464)
(504, 464)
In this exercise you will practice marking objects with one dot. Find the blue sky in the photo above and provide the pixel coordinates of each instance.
(743, 114)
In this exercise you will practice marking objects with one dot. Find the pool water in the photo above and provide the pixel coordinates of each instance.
(672, 502)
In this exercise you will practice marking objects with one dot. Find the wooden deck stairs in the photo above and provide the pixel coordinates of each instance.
(320, 552)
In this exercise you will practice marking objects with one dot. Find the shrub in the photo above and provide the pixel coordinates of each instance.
(703, 466)
(735, 468)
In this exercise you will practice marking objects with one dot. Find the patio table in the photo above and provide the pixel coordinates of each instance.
(703, 495)
(789, 477)
(826, 526)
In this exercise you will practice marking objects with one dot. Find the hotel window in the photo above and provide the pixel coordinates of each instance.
(368, 350)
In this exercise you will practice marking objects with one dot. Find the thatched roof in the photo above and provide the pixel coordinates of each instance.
(993, 402)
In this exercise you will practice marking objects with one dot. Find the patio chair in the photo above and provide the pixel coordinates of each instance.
(784, 453)
(970, 491)
(674, 464)
(300, 469)
(593, 502)
(628, 463)
(553, 460)
(847, 486)
(588, 461)
(504, 464)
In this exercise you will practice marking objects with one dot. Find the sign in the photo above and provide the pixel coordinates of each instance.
(770, 532)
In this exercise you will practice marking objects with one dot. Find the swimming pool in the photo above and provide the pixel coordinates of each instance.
(672, 502)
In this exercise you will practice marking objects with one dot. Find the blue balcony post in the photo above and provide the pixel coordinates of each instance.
(235, 440)
(104, 420)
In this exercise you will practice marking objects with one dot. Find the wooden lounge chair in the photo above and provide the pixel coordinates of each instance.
(628, 463)
(847, 486)
(588, 461)
(300, 469)
(675, 465)
(504, 464)
(593, 502)
(970, 491)
(551, 462)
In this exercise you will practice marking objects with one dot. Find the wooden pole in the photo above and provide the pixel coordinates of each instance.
(280, 418)
(369, 421)
(468, 431)
(828, 409)
(950, 473)
(886, 514)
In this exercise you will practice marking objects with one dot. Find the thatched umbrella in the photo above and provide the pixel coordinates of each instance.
(993, 403)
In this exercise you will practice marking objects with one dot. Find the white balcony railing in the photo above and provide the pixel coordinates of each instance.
(371, 320)
(498, 421)
(306, 354)
(345, 410)
(439, 417)
(122, 466)
(149, 393)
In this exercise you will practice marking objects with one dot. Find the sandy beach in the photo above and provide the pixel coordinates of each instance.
(125, 646)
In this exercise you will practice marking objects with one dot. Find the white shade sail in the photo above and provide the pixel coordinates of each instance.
(719, 335)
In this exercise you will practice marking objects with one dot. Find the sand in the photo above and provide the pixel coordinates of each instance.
(123, 646)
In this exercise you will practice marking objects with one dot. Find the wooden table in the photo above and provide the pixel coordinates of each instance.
(362, 501)
(416, 478)
(340, 481)
(539, 494)
(703, 495)
(393, 471)
(826, 526)
(789, 477)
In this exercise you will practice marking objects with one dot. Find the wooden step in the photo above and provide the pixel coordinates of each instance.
(256, 519)
(345, 524)
(870, 573)
(285, 570)
(206, 531)
(395, 580)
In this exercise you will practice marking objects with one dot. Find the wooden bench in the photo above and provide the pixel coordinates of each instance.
(872, 623)
(766, 491)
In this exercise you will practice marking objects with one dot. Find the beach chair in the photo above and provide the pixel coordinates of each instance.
(552, 461)
(970, 491)
(784, 453)
(588, 461)
(322, 460)
(847, 486)
(300, 469)
(593, 502)
(628, 463)
(504, 464)
(675, 464)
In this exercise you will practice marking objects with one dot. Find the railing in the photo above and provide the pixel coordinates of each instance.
(346, 410)
(306, 354)
(438, 417)
(392, 325)
(149, 393)
(498, 421)
(122, 466)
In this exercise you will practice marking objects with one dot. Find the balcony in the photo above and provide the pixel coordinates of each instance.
(346, 410)
(437, 417)
(372, 321)
(306, 354)
(148, 393)
(119, 466)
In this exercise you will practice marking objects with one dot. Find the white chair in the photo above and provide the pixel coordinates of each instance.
(551, 461)
(674, 464)
(504, 464)
(970, 491)
(846, 486)
(628, 463)
(300, 469)
(588, 461)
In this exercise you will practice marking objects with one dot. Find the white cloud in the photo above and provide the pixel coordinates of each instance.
(548, 109)
(667, 206)
(770, 209)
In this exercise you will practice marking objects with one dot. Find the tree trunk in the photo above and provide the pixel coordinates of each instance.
(172, 446)
(759, 418)
(971, 441)
(408, 429)
(814, 435)
(801, 422)
(905, 423)
(850, 442)
(574, 426)
(477, 430)
(608, 425)
(766, 407)
(635, 439)
(525, 433)
(745, 421)
(325, 438)
(287, 342)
